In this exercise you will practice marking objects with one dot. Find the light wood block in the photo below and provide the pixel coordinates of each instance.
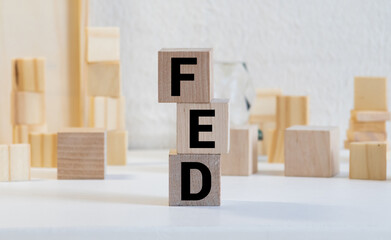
(111, 113)
(121, 125)
(276, 149)
(4, 163)
(104, 79)
(265, 103)
(367, 126)
(370, 93)
(29, 74)
(368, 160)
(29, 108)
(197, 185)
(311, 151)
(370, 116)
(292, 110)
(254, 147)
(192, 76)
(104, 112)
(49, 151)
(267, 137)
(20, 134)
(81, 154)
(103, 44)
(19, 162)
(366, 136)
(117, 147)
(201, 134)
(36, 143)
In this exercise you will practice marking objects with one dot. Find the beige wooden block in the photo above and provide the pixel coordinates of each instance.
(104, 79)
(370, 93)
(4, 163)
(368, 160)
(267, 131)
(292, 110)
(254, 147)
(117, 147)
(121, 113)
(36, 143)
(367, 126)
(276, 149)
(81, 154)
(265, 103)
(203, 128)
(192, 76)
(19, 162)
(366, 136)
(20, 134)
(40, 128)
(104, 112)
(112, 113)
(103, 44)
(311, 151)
(29, 74)
(29, 108)
(203, 185)
(370, 116)
(49, 150)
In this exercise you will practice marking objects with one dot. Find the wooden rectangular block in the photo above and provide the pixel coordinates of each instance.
(117, 147)
(370, 93)
(103, 44)
(104, 79)
(121, 113)
(367, 126)
(81, 154)
(292, 110)
(311, 151)
(20, 134)
(370, 116)
(185, 75)
(4, 163)
(203, 128)
(276, 148)
(254, 148)
(19, 162)
(368, 160)
(265, 103)
(194, 180)
(49, 151)
(104, 112)
(36, 143)
(366, 136)
(29, 74)
(29, 108)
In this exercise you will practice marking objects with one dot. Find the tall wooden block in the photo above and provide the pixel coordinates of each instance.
(29, 108)
(311, 151)
(103, 44)
(292, 110)
(203, 127)
(121, 113)
(36, 143)
(254, 147)
(29, 74)
(104, 79)
(276, 149)
(367, 126)
(20, 134)
(49, 151)
(4, 163)
(370, 93)
(368, 160)
(117, 147)
(111, 113)
(103, 112)
(370, 116)
(194, 179)
(185, 75)
(19, 162)
(81, 154)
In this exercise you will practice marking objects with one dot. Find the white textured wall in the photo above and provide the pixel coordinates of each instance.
(312, 47)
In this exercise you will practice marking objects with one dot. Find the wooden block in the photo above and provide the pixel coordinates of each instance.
(370, 116)
(264, 105)
(292, 110)
(366, 136)
(117, 147)
(29, 74)
(112, 113)
(367, 126)
(311, 151)
(19, 162)
(36, 143)
(20, 134)
(185, 75)
(267, 131)
(4, 163)
(104, 79)
(103, 112)
(103, 44)
(370, 93)
(254, 147)
(81, 154)
(49, 151)
(194, 179)
(29, 108)
(121, 113)
(368, 160)
(203, 128)
(40, 128)
(276, 149)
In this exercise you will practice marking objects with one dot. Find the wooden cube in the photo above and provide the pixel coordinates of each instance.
(29, 108)
(366, 136)
(367, 126)
(36, 143)
(194, 179)
(29, 74)
(104, 79)
(81, 154)
(292, 110)
(185, 75)
(49, 151)
(104, 112)
(311, 151)
(4, 163)
(203, 128)
(368, 160)
(19, 162)
(370, 116)
(117, 147)
(370, 93)
(103, 44)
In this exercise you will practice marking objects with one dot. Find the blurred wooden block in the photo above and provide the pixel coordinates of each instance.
(311, 151)
(104, 112)
(292, 110)
(117, 147)
(254, 147)
(81, 154)
(194, 179)
(370, 116)
(368, 160)
(4, 163)
(29, 108)
(104, 79)
(203, 128)
(40, 128)
(366, 136)
(264, 105)
(19, 162)
(191, 72)
(36, 143)
(276, 149)
(370, 93)
(20, 134)
(367, 126)
(103, 44)
(111, 113)
(121, 113)
(267, 138)
(29, 74)
(49, 151)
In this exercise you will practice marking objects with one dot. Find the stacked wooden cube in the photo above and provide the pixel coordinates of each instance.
(185, 77)
(106, 103)
(15, 162)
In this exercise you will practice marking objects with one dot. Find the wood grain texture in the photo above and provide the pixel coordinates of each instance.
(254, 147)
(29, 108)
(20, 134)
(368, 160)
(19, 162)
(276, 148)
(4, 163)
(36, 143)
(117, 147)
(28, 74)
(370, 116)
(292, 110)
(311, 151)
(212, 161)
(103, 44)
(105, 112)
(367, 126)
(49, 150)
(370, 93)
(104, 79)
(220, 127)
(198, 91)
(366, 136)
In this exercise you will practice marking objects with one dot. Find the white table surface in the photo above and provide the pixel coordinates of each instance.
(132, 203)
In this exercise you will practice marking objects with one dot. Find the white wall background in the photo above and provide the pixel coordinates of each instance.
(305, 47)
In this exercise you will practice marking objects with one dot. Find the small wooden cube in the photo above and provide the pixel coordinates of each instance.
(104, 112)
(370, 93)
(203, 128)
(29, 108)
(194, 179)
(36, 143)
(104, 79)
(103, 44)
(19, 162)
(49, 151)
(368, 160)
(4, 163)
(311, 151)
(370, 116)
(185, 75)
(81, 154)
(29, 74)
(117, 147)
